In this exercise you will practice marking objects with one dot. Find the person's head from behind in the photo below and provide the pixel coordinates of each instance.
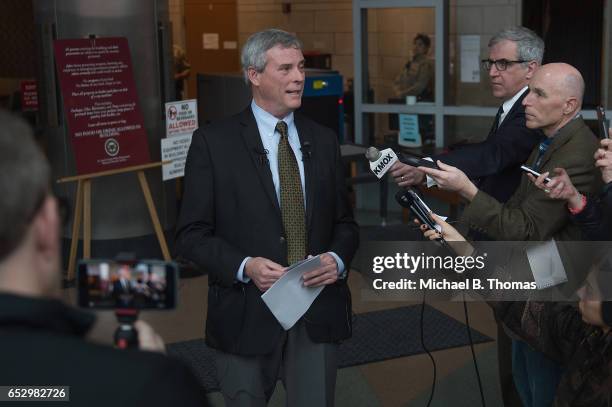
(29, 219)
(273, 66)
(555, 97)
(514, 55)
(421, 44)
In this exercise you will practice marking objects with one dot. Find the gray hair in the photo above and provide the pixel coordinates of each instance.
(529, 46)
(24, 180)
(254, 50)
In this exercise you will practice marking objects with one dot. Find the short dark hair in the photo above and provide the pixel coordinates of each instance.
(24, 180)
(424, 39)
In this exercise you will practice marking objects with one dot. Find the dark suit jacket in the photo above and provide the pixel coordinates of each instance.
(495, 163)
(42, 343)
(230, 211)
(119, 289)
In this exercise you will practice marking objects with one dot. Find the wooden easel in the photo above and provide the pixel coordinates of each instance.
(82, 207)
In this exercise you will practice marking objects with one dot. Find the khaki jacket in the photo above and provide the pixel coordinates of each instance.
(530, 215)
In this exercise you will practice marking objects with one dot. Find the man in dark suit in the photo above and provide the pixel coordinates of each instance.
(494, 164)
(42, 339)
(123, 292)
(514, 54)
(552, 105)
(264, 189)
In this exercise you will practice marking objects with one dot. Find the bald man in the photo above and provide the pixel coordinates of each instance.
(552, 105)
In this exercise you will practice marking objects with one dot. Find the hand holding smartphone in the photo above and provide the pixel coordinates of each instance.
(534, 173)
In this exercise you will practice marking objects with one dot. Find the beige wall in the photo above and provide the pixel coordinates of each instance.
(326, 26)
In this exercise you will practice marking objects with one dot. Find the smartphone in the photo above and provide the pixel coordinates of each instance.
(143, 284)
(415, 161)
(601, 121)
(534, 173)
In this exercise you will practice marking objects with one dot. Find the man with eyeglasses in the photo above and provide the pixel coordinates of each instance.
(494, 164)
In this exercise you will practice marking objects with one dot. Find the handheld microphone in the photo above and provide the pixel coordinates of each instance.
(380, 161)
(415, 161)
(410, 199)
(377, 160)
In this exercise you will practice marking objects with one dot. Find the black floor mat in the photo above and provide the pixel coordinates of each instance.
(378, 335)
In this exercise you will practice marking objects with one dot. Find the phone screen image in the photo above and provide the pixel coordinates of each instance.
(110, 285)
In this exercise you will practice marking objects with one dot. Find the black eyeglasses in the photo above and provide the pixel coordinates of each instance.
(500, 64)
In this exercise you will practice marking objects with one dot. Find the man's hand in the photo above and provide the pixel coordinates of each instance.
(603, 159)
(324, 275)
(263, 272)
(148, 339)
(452, 179)
(406, 175)
(559, 187)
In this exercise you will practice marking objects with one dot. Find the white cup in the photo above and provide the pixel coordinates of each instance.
(410, 100)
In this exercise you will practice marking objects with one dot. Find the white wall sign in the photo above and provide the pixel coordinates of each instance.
(181, 122)
(230, 45)
(181, 117)
(470, 55)
(210, 41)
(174, 149)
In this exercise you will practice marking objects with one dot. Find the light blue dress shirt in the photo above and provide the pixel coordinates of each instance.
(266, 124)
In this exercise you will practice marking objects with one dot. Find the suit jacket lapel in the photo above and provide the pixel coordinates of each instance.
(252, 140)
(306, 138)
(515, 109)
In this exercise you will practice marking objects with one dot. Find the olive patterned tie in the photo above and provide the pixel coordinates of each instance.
(291, 197)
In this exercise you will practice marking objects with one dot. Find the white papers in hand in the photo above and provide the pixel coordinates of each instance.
(288, 298)
(546, 265)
